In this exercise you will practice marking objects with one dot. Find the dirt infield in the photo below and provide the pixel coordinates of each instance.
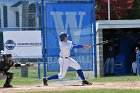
(74, 85)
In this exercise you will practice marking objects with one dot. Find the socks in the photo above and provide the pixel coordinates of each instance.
(53, 77)
(79, 72)
(81, 75)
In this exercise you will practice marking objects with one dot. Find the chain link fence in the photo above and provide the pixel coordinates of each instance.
(26, 15)
(19, 20)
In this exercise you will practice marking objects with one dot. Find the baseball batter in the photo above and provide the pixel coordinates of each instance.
(66, 61)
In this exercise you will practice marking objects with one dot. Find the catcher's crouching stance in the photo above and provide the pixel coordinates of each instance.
(5, 64)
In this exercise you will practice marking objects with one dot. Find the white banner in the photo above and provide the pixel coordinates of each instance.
(23, 44)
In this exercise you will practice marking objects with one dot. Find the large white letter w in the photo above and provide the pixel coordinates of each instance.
(69, 22)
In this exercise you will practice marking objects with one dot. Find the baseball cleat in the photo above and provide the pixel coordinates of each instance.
(86, 83)
(45, 82)
(7, 86)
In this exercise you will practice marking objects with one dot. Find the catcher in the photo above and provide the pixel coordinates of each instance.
(5, 64)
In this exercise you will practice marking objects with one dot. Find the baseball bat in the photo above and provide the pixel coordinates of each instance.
(103, 42)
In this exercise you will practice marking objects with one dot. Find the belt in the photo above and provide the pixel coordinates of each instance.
(64, 57)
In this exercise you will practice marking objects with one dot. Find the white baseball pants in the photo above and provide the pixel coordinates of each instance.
(64, 64)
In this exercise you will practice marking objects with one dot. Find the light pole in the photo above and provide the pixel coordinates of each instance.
(108, 9)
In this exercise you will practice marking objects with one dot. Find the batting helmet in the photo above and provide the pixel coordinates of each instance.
(62, 36)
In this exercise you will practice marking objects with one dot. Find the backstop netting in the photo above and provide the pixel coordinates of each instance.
(20, 35)
(29, 30)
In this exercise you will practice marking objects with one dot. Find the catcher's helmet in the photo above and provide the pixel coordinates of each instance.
(6, 55)
(62, 36)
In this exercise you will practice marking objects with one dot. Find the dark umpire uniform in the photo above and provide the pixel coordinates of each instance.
(5, 64)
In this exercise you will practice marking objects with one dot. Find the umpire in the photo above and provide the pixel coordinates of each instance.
(5, 64)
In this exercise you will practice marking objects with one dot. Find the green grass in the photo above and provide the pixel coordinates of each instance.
(90, 91)
(116, 79)
(32, 78)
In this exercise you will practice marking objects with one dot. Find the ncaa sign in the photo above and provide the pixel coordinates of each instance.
(76, 21)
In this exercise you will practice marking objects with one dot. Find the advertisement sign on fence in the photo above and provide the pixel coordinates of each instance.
(23, 44)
